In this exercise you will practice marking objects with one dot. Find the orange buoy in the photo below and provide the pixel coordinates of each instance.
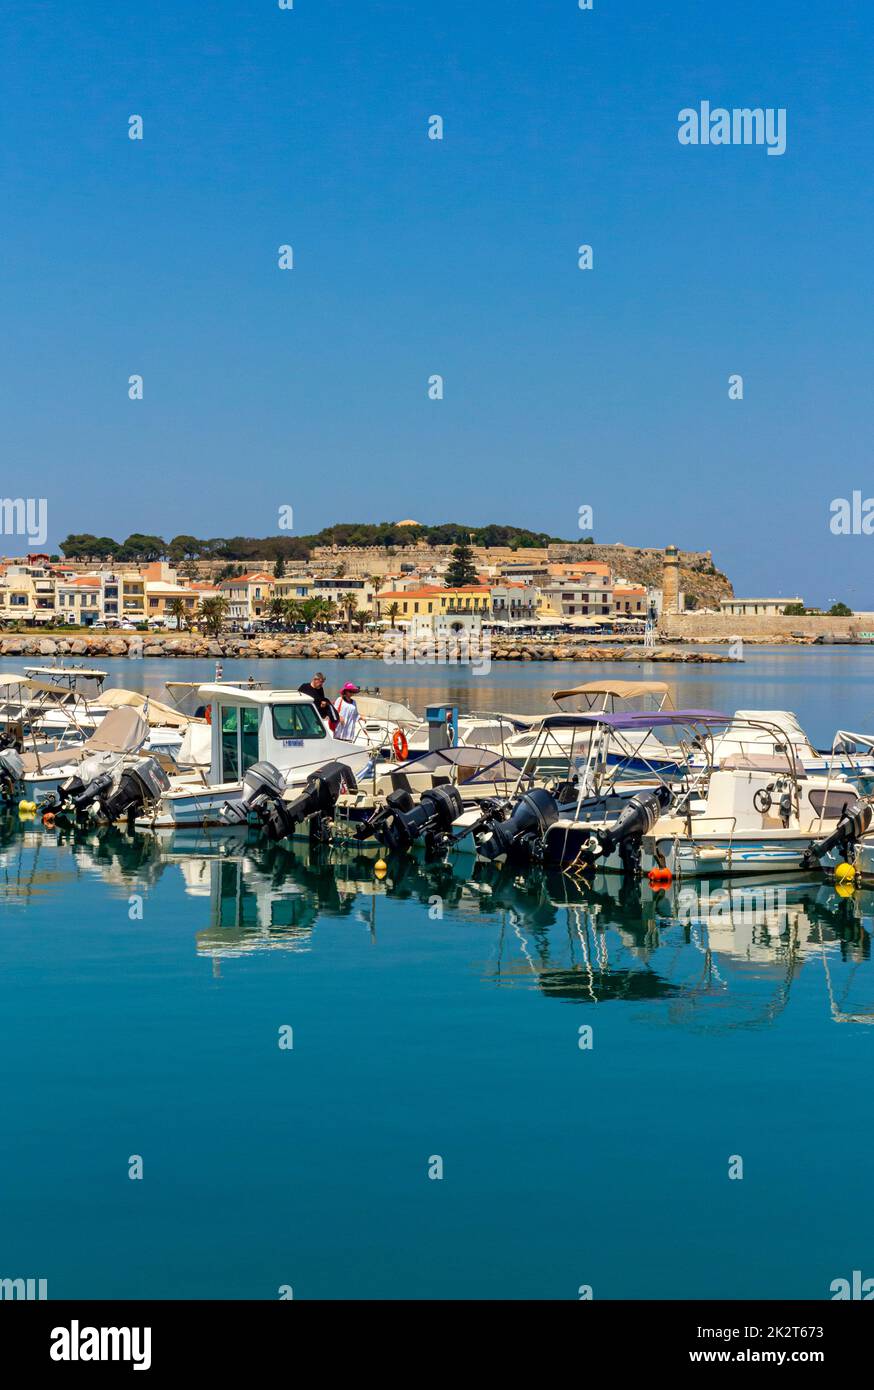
(400, 745)
(48, 819)
(659, 877)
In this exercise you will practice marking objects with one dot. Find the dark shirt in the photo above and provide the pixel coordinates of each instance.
(322, 703)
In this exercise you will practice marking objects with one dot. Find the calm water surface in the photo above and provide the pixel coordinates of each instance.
(736, 1024)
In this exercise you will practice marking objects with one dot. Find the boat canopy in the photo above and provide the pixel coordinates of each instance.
(636, 719)
(392, 711)
(620, 690)
(120, 731)
(159, 715)
(250, 695)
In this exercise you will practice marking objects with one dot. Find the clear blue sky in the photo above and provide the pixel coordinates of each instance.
(414, 257)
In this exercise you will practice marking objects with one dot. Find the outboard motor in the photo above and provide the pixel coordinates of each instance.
(11, 772)
(139, 787)
(854, 821)
(626, 834)
(12, 737)
(523, 830)
(262, 782)
(397, 802)
(401, 822)
(76, 794)
(264, 795)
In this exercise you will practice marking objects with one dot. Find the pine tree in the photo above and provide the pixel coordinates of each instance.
(279, 567)
(462, 569)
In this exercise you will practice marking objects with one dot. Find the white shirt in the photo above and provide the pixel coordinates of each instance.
(348, 721)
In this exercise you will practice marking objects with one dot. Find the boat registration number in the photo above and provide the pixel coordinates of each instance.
(292, 743)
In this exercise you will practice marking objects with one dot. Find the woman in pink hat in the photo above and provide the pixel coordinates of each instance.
(347, 713)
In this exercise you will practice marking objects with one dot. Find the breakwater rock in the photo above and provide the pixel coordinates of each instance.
(318, 646)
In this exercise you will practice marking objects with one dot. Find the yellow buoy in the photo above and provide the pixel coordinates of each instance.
(845, 873)
(27, 806)
(847, 889)
(380, 868)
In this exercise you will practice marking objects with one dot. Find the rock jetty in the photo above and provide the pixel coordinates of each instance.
(318, 646)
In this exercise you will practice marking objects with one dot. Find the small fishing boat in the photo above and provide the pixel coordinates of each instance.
(250, 725)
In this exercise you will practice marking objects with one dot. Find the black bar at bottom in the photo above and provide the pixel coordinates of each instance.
(157, 1338)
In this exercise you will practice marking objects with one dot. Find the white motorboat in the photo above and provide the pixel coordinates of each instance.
(37, 773)
(250, 725)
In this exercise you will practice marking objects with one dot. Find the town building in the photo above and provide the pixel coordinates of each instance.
(588, 597)
(249, 596)
(757, 607)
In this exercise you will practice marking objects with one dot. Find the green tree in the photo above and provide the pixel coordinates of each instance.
(213, 611)
(794, 610)
(462, 569)
(184, 548)
(350, 608)
(178, 609)
(840, 610)
(279, 567)
(143, 547)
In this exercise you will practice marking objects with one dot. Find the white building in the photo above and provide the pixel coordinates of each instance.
(756, 607)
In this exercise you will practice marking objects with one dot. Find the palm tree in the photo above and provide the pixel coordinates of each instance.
(327, 611)
(392, 612)
(365, 616)
(350, 608)
(277, 610)
(178, 609)
(213, 612)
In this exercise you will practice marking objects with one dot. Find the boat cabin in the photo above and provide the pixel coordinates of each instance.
(282, 727)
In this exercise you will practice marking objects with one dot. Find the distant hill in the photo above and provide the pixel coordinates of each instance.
(352, 533)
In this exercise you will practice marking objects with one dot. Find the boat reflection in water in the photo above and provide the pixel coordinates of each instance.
(719, 955)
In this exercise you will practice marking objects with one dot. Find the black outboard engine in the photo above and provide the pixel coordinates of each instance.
(521, 834)
(12, 738)
(396, 803)
(76, 795)
(626, 834)
(854, 821)
(138, 788)
(401, 822)
(264, 795)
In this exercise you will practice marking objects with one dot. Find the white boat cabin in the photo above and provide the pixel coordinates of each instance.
(282, 727)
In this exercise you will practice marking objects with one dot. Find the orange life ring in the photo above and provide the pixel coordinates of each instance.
(48, 819)
(207, 714)
(400, 745)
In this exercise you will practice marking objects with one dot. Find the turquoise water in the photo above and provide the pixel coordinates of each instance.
(432, 1015)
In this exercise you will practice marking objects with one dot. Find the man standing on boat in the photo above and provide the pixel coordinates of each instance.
(316, 691)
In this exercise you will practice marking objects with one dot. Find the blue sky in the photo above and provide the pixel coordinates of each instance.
(562, 387)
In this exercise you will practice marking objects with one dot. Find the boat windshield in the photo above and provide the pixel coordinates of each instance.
(297, 721)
